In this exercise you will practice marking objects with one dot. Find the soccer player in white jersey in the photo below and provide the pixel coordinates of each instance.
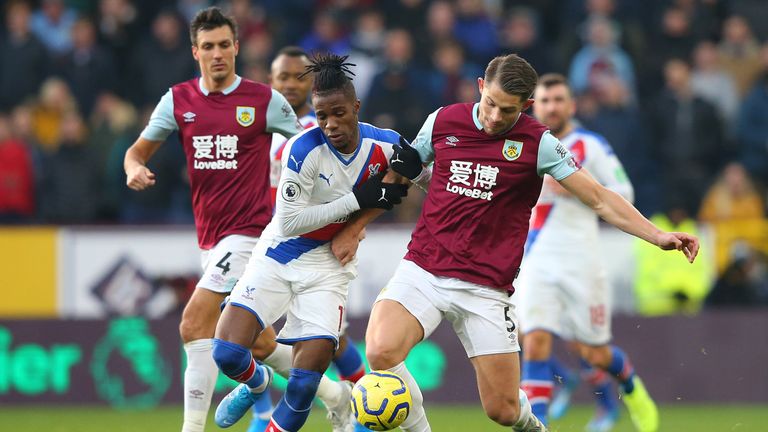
(573, 299)
(489, 160)
(287, 76)
(329, 172)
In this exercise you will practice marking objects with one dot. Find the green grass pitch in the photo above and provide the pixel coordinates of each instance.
(678, 418)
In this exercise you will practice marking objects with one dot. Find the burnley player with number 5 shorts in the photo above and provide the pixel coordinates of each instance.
(488, 162)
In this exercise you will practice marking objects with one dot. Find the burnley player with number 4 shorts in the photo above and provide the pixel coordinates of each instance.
(563, 287)
(225, 124)
(488, 162)
(329, 172)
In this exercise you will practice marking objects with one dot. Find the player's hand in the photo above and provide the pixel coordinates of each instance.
(688, 244)
(406, 160)
(140, 178)
(344, 244)
(376, 194)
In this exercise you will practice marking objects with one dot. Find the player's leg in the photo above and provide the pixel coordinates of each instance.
(198, 324)
(601, 385)
(537, 375)
(405, 313)
(259, 298)
(612, 359)
(566, 381)
(311, 359)
(222, 266)
(348, 361)
(262, 409)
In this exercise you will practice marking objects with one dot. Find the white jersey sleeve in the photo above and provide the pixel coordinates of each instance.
(608, 170)
(162, 123)
(293, 213)
(280, 116)
(554, 159)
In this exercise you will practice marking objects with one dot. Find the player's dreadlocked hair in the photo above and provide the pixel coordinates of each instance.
(332, 73)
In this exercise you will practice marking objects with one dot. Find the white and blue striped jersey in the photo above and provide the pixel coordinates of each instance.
(314, 195)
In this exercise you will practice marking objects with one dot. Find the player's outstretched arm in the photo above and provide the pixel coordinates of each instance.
(617, 211)
(139, 177)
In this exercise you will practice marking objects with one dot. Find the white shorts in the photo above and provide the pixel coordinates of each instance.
(572, 301)
(482, 317)
(225, 263)
(315, 302)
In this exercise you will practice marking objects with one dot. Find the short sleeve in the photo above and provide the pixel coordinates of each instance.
(423, 141)
(280, 116)
(554, 159)
(162, 122)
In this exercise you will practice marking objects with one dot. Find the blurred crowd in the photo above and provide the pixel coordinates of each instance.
(678, 87)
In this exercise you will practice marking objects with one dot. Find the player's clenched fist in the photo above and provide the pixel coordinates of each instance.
(376, 194)
(405, 160)
(140, 178)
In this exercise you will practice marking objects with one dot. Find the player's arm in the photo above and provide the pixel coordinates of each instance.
(280, 116)
(414, 160)
(295, 215)
(161, 124)
(617, 211)
(609, 171)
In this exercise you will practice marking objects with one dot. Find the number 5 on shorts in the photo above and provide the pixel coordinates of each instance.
(508, 319)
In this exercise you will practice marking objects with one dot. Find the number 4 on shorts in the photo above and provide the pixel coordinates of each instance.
(224, 264)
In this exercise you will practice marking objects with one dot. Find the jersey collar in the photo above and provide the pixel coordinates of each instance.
(226, 91)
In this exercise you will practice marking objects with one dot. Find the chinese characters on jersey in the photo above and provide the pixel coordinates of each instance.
(215, 152)
(472, 180)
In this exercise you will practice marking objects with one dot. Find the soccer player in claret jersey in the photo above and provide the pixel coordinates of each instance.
(329, 172)
(565, 231)
(287, 75)
(226, 125)
(489, 159)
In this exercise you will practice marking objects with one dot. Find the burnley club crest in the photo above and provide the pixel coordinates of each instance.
(245, 115)
(512, 149)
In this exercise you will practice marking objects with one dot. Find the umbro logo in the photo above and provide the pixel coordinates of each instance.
(189, 117)
(451, 141)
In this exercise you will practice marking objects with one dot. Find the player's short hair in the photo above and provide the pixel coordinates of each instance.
(209, 19)
(292, 51)
(515, 75)
(332, 73)
(554, 79)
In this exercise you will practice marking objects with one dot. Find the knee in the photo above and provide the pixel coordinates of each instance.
(382, 355)
(231, 358)
(599, 357)
(191, 329)
(503, 412)
(537, 345)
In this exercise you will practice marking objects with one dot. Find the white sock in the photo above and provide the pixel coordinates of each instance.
(281, 360)
(417, 419)
(526, 419)
(199, 382)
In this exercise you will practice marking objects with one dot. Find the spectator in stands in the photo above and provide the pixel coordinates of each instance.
(600, 58)
(440, 21)
(752, 126)
(744, 283)
(52, 24)
(476, 31)
(675, 38)
(732, 197)
(398, 97)
(664, 286)
(88, 68)
(72, 182)
(23, 58)
(450, 68)
(162, 59)
(17, 193)
(118, 29)
(713, 84)
(739, 53)
(367, 42)
(327, 35)
(55, 100)
(686, 138)
(520, 35)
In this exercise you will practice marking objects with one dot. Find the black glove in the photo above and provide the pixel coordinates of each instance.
(376, 194)
(406, 160)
